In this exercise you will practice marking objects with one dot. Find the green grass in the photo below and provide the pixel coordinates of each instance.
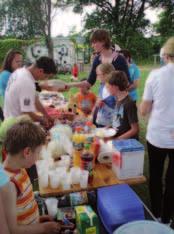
(142, 189)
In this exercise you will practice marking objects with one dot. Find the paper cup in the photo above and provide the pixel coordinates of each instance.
(66, 182)
(54, 179)
(52, 204)
(75, 175)
(84, 179)
(43, 178)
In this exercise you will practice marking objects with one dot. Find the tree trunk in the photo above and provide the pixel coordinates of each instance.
(49, 41)
(49, 45)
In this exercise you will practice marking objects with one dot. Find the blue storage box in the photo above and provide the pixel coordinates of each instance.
(128, 158)
(117, 205)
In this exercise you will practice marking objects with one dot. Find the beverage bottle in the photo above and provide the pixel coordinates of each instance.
(95, 147)
(87, 161)
(78, 143)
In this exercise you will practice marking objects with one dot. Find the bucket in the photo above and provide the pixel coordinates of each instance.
(144, 227)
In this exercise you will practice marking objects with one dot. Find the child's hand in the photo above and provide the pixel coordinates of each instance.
(51, 227)
(45, 218)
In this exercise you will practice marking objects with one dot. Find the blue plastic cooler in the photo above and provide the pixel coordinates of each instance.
(117, 205)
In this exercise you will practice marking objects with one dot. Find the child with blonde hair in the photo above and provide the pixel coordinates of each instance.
(106, 102)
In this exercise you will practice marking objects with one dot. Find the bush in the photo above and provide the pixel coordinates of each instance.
(7, 44)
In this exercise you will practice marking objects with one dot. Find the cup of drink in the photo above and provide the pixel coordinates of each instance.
(75, 175)
(84, 179)
(54, 179)
(43, 178)
(66, 182)
(52, 204)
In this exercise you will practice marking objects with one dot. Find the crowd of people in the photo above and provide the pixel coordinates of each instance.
(115, 106)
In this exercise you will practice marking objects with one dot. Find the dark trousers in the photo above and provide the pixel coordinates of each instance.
(162, 196)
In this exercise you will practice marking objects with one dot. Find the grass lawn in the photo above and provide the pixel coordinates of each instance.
(141, 190)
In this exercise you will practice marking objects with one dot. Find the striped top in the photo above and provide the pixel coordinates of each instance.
(27, 208)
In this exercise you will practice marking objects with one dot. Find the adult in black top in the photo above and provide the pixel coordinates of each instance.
(118, 62)
(101, 43)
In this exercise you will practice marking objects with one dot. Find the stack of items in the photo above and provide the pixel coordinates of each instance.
(86, 148)
(118, 205)
(72, 213)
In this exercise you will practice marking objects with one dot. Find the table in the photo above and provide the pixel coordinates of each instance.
(103, 176)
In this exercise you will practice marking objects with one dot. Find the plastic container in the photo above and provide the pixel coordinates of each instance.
(144, 227)
(86, 220)
(117, 205)
(128, 158)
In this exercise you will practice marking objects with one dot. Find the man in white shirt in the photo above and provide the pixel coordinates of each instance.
(21, 96)
(158, 101)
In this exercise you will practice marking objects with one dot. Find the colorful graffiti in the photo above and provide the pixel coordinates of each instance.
(64, 53)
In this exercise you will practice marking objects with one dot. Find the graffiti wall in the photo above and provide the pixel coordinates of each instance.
(64, 52)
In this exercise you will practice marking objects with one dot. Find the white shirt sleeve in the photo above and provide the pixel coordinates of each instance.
(27, 99)
(148, 89)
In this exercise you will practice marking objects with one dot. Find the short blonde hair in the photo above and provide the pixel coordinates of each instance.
(106, 68)
(168, 47)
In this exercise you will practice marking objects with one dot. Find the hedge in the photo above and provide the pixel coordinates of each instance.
(7, 44)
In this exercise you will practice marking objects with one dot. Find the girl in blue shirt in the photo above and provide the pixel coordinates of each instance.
(134, 73)
(12, 61)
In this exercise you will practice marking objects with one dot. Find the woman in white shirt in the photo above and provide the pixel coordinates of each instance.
(158, 101)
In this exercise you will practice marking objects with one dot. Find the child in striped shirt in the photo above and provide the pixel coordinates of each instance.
(23, 143)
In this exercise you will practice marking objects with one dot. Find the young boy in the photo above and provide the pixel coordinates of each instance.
(125, 119)
(85, 101)
(23, 143)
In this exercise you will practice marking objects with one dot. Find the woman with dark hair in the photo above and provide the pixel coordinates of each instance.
(101, 43)
(12, 61)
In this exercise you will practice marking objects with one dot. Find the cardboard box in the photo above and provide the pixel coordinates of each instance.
(86, 220)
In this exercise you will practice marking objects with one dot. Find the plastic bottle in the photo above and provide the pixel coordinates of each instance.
(87, 161)
(78, 143)
(95, 147)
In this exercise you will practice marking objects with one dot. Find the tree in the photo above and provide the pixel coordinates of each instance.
(121, 18)
(28, 19)
(165, 25)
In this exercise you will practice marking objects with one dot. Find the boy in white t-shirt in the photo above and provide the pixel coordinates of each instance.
(21, 97)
